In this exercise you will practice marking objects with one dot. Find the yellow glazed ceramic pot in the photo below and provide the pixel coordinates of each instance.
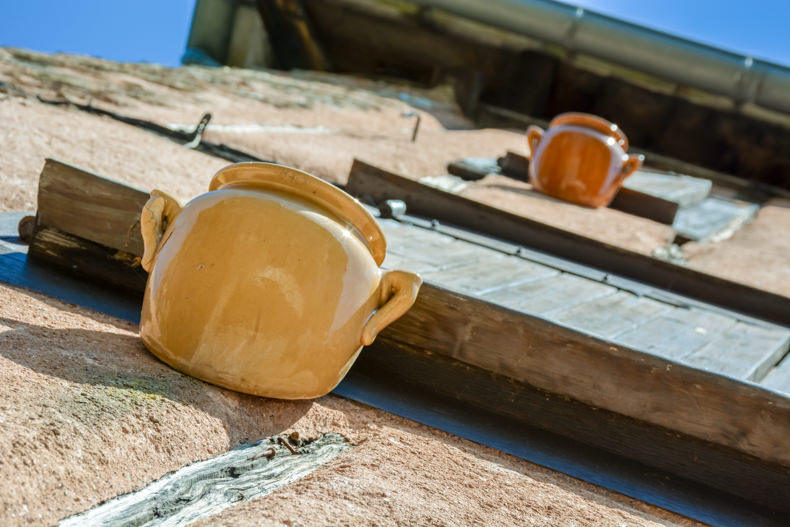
(268, 284)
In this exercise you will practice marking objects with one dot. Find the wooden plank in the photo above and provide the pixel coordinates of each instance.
(743, 351)
(569, 427)
(779, 377)
(553, 293)
(632, 201)
(367, 180)
(438, 256)
(494, 273)
(596, 372)
(404, 263)
(207, 487)
(515, 166)
(399, 234)
(645, 205)
(625, 284)
(90, 207)
(17, 270)
(607, 316)
(89, 227)
(430, 248)
(676, 333)
(447, 387)
(109, 268)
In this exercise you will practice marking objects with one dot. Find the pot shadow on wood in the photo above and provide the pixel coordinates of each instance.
(113, 362)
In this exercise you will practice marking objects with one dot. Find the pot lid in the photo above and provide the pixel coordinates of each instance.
(304, 185)
(599, 124)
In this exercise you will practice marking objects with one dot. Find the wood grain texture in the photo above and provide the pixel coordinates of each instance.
(207, 487)
(431, 249)
(379, 185)
(496, 273)
(109, 268)
(779, 377)
(596, 372)
(743, 351)
(663, 455)
(700, 337)
(544, 296)
(607, 316)
(514, 165)
(397, 261)
(90, 207)
(677, 333)
(645, 205)
(16, 269)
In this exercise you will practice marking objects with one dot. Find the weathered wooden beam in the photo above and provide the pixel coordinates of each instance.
(89, 227)
(472, 339)
(596, 372)
(644, 205)
(500, 340)
(82, 258)
(91, 207)
(514, 165)
(374, 183)
(207, 487)
(672, 457)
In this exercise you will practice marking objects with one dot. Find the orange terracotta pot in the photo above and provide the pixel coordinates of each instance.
(268, 284)
(581, 158)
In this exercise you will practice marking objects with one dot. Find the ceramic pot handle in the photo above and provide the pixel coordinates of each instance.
(159, 211)
(631, 164)
(397, 293)
(534, 135)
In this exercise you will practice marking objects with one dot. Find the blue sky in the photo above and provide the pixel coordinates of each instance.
(157, 30)
(760, 28)
(122, 30)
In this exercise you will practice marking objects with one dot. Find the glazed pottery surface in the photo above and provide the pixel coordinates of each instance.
(268, 284)
(581, 158)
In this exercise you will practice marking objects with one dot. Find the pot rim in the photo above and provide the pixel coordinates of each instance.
(307, 186)
(599, 124)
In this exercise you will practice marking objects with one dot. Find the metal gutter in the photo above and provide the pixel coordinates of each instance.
(740, 77)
